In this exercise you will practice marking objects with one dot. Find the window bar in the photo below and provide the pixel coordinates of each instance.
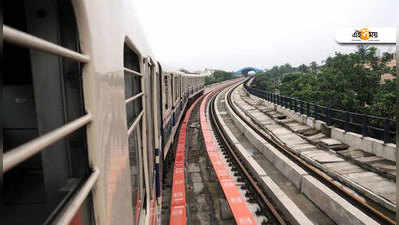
(27, 150)
(131, 128)
(74, 205)
(29, 41)
(132, 72)
(134, 97)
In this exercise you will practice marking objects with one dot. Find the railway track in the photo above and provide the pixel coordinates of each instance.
(255, 192)
(269, 137)
(242, 185)
(179, 213)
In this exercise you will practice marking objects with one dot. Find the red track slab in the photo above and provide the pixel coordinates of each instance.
(178, 214)
(242, 214)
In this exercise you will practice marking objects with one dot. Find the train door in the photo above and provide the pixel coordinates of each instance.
(149, 70)
(181, 87)
(172, 98)
(43, 93)
(172, 89)
(136, 129)
(166, 129)
(153, 137)
(166, 93)
(157, 90)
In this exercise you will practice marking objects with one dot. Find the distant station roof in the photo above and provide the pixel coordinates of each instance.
(245, 70)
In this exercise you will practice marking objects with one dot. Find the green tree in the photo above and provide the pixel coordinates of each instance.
(383, 103)
(219, 76)
(346, 81)
(313, 67)
(303, 68)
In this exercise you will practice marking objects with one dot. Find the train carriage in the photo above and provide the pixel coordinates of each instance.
(89, 114)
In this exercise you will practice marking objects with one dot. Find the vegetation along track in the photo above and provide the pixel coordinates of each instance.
(275, 142)
(228, 149)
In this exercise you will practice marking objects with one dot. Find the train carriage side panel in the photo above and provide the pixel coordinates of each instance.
(103, 81)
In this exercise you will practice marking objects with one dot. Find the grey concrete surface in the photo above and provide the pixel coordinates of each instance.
(335, 206)
(323, 154)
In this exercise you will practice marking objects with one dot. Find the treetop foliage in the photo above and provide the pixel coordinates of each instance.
(219, 76)
(348, 82)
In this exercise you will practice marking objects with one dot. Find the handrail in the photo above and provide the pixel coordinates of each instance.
(355, 122)
(26, 40)
(132, 72)
(27, 150)
(77, 200)
(134, 97)
(131, 128)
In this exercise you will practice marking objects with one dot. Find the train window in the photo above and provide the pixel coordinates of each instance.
(166, 92)
(42, 93)
(132, 84)
(176, 89)
(134, 114)
(181, 86)
(172, 90)
(160, 89)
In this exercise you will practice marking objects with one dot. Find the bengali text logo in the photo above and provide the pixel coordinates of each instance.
(365, 34)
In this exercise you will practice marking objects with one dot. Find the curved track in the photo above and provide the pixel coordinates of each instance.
(178, 214)
(230, 150)
(178, 205)
(315, 172)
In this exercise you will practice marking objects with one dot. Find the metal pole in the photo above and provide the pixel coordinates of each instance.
(290, 103)
(328, 116)
(386, 130)
(347, 121)
(365, 126)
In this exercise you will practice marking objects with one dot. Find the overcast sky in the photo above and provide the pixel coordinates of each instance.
(230, 34)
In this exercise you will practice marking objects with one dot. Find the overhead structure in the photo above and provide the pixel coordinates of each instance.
(246, 70)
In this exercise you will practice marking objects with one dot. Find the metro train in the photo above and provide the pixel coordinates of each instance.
(88, 112)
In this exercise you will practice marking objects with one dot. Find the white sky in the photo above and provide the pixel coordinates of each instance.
(231, 34)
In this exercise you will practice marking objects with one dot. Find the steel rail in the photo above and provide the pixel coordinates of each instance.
(178, 211)
(232, 150)
(273, 140)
